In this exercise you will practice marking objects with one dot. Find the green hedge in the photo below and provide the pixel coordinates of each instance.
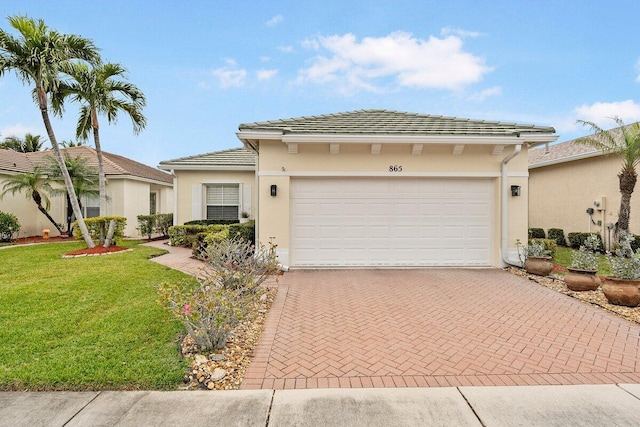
(9, 226)
(577, 239)
(549, 245)
(246, 231)
(557, 234)
(98, 227)
(157, 223)
(536, 233)
(185, 235)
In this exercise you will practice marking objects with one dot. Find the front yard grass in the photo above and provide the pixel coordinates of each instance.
(563, 258)
(89, 323)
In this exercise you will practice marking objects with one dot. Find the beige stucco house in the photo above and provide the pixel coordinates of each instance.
(218, 185)
(132, 189)
(375, 188)
(575, 188)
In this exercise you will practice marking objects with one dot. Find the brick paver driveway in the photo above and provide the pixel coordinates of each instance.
(436, 327)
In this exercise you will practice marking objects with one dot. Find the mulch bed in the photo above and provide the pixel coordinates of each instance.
(96, 250)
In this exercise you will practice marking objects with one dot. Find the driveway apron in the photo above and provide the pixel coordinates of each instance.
(435, 327)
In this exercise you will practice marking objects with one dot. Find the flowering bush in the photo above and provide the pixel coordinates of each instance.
(231, 288)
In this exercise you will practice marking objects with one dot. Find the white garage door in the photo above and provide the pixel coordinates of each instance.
(391, 222)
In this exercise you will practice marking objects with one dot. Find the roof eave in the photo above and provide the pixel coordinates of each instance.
(418, 139)
(170, 166)
(566, 159)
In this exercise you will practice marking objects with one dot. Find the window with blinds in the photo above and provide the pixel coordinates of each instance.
(223, 201)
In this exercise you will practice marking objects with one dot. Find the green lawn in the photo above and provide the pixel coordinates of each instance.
(563, 257)
(85, 323)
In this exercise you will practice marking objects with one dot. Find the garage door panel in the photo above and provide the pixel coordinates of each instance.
(387, 222)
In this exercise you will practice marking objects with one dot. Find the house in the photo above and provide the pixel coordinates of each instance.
(132, 189)
(575, 188)
(372, 188)
(216, 185)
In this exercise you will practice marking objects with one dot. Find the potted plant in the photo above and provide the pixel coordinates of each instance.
(624, 287)
(582, 275)
(244, 217)
(538, 258)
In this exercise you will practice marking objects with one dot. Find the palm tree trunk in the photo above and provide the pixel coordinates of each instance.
(38, 200)
(42, 103)
(628, 180)
(102, 181)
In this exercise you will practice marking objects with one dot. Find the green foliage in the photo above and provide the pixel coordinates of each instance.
(585, 258)
(211, 222)
(90, 323)
(624, 262)
(246, 231)
(536, 233)
(9, 226)
(557, 234)
(213, 308)
(186, 235)
(578, 239)
(99, 225)
(539, 248)
(218, 234)
(156, 223)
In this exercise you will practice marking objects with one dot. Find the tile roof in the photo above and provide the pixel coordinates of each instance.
(113, 163)
(565, 152)
(391, 123)
(238, 158)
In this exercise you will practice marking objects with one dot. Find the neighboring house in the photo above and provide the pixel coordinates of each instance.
(213, 185)
(384, 188)
(575, 188)
(132, 189)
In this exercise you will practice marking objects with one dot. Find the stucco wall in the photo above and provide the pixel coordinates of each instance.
(560, 195)
(277, 166)
(187, 179)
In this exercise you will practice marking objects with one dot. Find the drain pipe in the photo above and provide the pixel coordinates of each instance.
(504, 249)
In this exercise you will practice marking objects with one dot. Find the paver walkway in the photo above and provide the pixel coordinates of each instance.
(430, 327)
(436, 327)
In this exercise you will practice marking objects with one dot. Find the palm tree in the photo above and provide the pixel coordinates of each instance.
(101, 91)
(623, 142)
(35, 186)
(30, 143)
(83, 176)
(38, 56)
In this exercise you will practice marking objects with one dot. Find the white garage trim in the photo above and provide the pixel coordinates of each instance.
(369, 222)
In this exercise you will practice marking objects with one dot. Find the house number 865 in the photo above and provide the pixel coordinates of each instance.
(395, 168)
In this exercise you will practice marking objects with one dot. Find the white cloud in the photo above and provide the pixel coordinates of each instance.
(229, 77)
(285, 49)
(275, 21)
(448, 31)
(17, 130)
(484, 94)
(265, 58)
(602, 112)
(406, 61)
(266, 74)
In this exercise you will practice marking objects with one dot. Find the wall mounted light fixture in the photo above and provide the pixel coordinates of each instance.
(274, 190)
(515, 190)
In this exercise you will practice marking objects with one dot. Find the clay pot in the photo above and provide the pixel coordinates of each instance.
(622, 291)
(582, 280)
(540, 266)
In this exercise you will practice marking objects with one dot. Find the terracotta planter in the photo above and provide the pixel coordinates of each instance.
(582, 280)
(540, 266)
(621, 291)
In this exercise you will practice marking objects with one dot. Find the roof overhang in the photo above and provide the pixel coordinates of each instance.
(141, 179)
(566, 159)
(210, 167)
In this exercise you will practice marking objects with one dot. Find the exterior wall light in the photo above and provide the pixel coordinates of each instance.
(274, 190)
(515, 190)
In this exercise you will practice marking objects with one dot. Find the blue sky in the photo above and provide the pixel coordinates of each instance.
(207, 66)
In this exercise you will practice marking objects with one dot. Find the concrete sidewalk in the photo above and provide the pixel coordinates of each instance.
(574, 405)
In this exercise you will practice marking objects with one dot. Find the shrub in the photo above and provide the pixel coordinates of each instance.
(625, 263)
(557, 234)
(546, 246)
(578, 239)
(216, 236)
(99, 225)
(536, 233)
(146, 225)
(246, 231)
(9, 225)
(157, 223)
(178, 233)
(585, 258)
(211, 222)
(230, 291)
